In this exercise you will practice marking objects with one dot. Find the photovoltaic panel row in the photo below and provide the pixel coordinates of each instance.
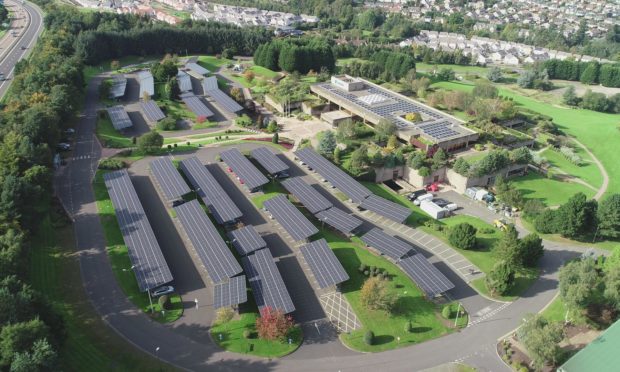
(336, 176)
(152, 112)
(168, 178)
(386, 208)
(184, 81)
(307, 195)
(196, 105)
(230, 293)
(339, 219)
(246, 240)
(324, 264)
(215, 256)
(267, 285)
(386, 244)
(246, 171)
(269, 160)
(149, 264)
(209, 83)
(212, 194)
(118, 117)
(224, 101)
(425, 275)
(197, 68)
(293, 221)
(119, 84)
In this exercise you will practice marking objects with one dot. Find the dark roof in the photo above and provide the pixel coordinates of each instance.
(267, 285)
(246, 240)
(339, 219)
(386, 208)
(169, 179)
(386, 244)
(230, 293)
(269, 160)
(307, 195)
(324, 264)
(293, 221)
(425, 275)
(242, 167)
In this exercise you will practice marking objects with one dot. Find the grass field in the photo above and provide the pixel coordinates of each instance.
(90, 344)
(587, 171)
(232, 338)
(119, 259)
(550, 191)
(523, 280)
(213, 63)
(110, 137)
(428, 67)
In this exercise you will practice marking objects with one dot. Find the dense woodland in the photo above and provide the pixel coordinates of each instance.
(301, 55)
(606, 74)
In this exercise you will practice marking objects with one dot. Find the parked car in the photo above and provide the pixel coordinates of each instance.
(69, 131)
(501, 224)
(414, 195)
(422, 198)
(445, 204)
(167, 289)
(63, 146)
(434, 187)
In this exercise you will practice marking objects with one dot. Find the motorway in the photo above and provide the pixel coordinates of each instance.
(28, 25)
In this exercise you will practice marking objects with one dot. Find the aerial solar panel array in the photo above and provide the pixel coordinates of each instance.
(195, 105)
(387, 244)
(147, 260)
(246, 240)
(224, 101)
(184, 81)
(339, 219)
(307, 195)
(386, 208)
(291, 219)
(118, 117)
(425, 275)
(439, 130)
(244, 169)
(267, 285)
(152, 112)
(222, 207)
(230, 293)
(324, 264)
(336, 176)
(215, 256)
(268, 160)
(168, 178)
(119, 84)
(147, 84)
(209, 83)
(195, 67)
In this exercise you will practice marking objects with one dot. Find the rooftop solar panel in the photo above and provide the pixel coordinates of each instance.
(325, 266)
(197, 68)
(230, 293)
(224, 101)
(119, 118)
(184, 81)
(152, 112)
(196, 105)
(268, 160)
(336, 176)
(425, 275)
(293, 221)
(148, 262)
(215, 256)
(267, 285)
(168, 178)
(212, 194)
(307, 195)
(386, 244)
(246, 240)
(119, 84)
(386, 208)
(246, 171)
(339, 219)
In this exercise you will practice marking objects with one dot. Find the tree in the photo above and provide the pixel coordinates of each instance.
(590, 74)
(578, 280)
(577, 216)
(272, 127)
(376, 296)
(165, 70)
(446, 74)
(164, 302)
(608, 215)
(19, 338)
(461, 166)
(508, 248)
(612, 286)
(359, 159)
(224, 315)
(417, 160)
(463, 236)
(150, 143)
(440, 159)
(501, 278)
(327, 143)
(369, 337)
(115, 65)
(540, 339)
(531, 250)
(237, 94)
(424, 171)
(495, 74)
(249, 75)
(167, 123)
(273, 324)
(594, 101)
(276, 138)
(569, 97)
(485, 90)
(527, 79)
(345, 130)
(337, 159)
(42, 357)
(392, 143)
(384, 129)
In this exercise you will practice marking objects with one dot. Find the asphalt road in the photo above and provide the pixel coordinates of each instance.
(28, 24)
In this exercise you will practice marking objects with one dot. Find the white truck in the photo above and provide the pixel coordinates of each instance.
(433, 209)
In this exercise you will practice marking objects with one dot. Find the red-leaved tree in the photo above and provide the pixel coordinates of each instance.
(273, 324)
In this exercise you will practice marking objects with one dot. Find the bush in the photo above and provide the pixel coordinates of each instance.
(369, 337)
(168, 123)
(243, 121)
(446, 312)
(375, 295)
(224, 315)
(408, 326)
(150, 143)
(463, 236)
(164, 302)
(247, 334)
(363, 268)
(111, 164)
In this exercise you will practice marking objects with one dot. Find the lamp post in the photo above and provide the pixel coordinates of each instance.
(458, 309)
(150, 300)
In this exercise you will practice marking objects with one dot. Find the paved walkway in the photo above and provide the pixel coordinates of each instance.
(601, 191)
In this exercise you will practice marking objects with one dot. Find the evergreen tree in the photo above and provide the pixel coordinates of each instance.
(327, 143)
(609, 217)
(508, 247)
(570, 97)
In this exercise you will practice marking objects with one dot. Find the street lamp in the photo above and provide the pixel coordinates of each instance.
(458, 310)
(131, 268)
(157, 352)
(148, 290)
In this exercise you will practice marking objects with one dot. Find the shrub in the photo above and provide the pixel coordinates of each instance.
(168, 123)
(366, 273)
(362, 268)
(111, 164)
(247, 334)
(376, 296)
(463, 236)
(408, 326)
(224, 315)
(486, 230)
(369, 337)
(164, 302)
(446, 312)
(150, 142)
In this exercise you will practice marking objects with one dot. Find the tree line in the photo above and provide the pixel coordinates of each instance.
(384, 64)
(606, 74)
(301, 55)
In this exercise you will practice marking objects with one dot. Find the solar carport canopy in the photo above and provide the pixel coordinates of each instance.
(386, 244)
(242, 167)
(269, 160)
(168, 178)
(246, 240)
(224, 101)
(425, 275)
(336, 176)
(118, 116)
(293, 221)
(339, 219)
(267, 285)
(324, 265)
(212, 194)
(196, 105)
(215, 256)
(386, 208)
(149, 264)
(230, 293)
(152, 112)
(307, 195)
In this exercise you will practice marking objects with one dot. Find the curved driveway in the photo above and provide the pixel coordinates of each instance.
(474, 345)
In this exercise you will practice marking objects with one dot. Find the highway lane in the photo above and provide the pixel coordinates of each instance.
(30, 17)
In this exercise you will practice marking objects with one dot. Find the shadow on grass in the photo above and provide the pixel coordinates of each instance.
(382, 339)
(420, 329)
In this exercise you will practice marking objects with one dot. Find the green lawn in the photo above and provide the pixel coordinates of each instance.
(232, 338)
(205, 125)
(269, 191)
(587, 171)
(119, 259)
(475, 156)
(110, 137)
(550, 191)
(104, 66)
(428, 67)
(223, 134)
(90, 344)
(213, 63)
(556, 312)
